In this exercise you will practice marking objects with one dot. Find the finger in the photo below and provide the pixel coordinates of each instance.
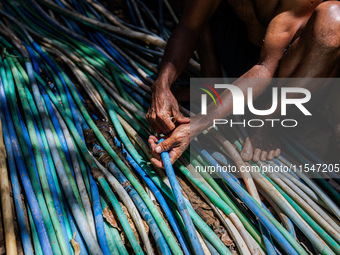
(174, 155)
(165, 145)
(156, 155)
(179, 118)
(154, 128)
(263, 156)
(166, 124)
(150, 117)
(270, 155)
(277, 153)
(153, 139)
(257, 154)
(247, 151)
(157, 163)
(153, 144)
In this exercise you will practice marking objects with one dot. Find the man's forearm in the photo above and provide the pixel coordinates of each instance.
(258, 78)
(177, 54)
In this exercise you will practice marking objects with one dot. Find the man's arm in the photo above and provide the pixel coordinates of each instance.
(279, 34)
(177, 54)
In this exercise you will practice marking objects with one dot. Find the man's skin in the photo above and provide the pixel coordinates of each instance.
(270, 24)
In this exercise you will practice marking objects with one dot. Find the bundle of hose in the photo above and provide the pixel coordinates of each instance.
(109, 72)
(330, 203)
(160, 199)
(279, 233)
(9, 88)
(37, 216)
(180, 203)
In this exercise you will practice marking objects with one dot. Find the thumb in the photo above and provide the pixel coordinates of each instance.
(165, 145)
(179, 117)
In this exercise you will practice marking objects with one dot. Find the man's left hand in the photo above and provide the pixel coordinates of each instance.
(176, 144)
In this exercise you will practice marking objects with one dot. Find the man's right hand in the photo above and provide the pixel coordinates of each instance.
(163, 107)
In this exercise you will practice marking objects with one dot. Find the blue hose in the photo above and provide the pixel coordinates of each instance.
(159, 197)
(98, 216)
(144, 211)
(196, 245)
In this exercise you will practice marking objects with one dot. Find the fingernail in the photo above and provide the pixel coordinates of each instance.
(245, 154)
(158, 149)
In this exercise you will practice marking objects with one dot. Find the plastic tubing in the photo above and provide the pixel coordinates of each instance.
(99, 217)
(122, 193)
(308, 154)
(79, 239)
(197, 220)
(52, 186)
(36, 242)
(60, 126)
(144, 211)
(114, 232)
(200, 224)
(32, 200)
(286, 222)
(72, 200)
(300, 217)
(250, 228)
(44, 140)
(322, 182)
(280, 234)
(196, 245)
(80, 182)
(223, 206)
(131, 207)
(317, 213)
(47, 161)
(96, 205)
(81, 186)
(100, 179)
(166, 232)
(120, 213)
(160, 199)
(32, 172)
(39, 160)
(19, 206)
(330, 204)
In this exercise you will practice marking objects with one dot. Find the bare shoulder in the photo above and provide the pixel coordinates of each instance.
(298, 7)
(266, 10)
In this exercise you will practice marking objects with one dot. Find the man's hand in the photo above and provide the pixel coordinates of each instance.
(177, 142)
(163, 107)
